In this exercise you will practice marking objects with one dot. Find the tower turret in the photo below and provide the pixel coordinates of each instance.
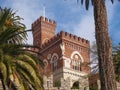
(43, 30)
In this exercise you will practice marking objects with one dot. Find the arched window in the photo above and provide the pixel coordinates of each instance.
(76, 64)
(45, 63)
(54, 61)
(76, 61)
(45, 40)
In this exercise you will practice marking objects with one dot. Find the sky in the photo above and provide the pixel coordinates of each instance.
(69, 15)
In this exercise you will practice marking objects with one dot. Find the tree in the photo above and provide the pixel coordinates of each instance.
(18, 67)
(104, 44)
(11, 23)
(94, 58)
(116, 60)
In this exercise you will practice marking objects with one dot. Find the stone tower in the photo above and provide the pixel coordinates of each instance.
(43, 30)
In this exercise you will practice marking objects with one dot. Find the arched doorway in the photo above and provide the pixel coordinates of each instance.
(75, 85)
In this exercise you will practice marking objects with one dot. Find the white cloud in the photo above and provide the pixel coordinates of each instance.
(30, 11)
(110, 10)
(85, 28)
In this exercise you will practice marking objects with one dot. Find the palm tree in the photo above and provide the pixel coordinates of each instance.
(11, 23)
(18, 67)
(104, 44)
(116, 60)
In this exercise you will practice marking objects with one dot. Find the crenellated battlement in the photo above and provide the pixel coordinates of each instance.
(45, 20)
(70, 36)
(66, 36)
(52, 40)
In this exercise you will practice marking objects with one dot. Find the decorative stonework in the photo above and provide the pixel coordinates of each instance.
(54, 55)
(48, 82)
(45, 63)
(76, 57)
(83, 83)
(54, 61)
(98, 83)
(45, 40)
(62, 47)
(49, 56)
(77, 53)
(67, 63)
(76, 47)
(65, 84)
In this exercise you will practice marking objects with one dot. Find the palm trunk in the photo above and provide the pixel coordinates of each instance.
(104, 46)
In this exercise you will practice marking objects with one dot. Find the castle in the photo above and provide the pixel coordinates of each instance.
(65, 55)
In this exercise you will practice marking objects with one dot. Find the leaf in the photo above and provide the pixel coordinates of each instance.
(3, 17)
(112, 1)
(92, 1)
(82, 2)
(87, 4)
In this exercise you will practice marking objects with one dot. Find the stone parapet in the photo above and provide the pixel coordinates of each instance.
(66, 36)
(44, 19)
(72, 37)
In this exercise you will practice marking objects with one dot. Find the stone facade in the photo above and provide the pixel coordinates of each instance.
(65, 55)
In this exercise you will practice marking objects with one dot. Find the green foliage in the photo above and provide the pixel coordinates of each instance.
(11, 27)
(116, 61)
(18, 67)
(93, 88)
(57, 83)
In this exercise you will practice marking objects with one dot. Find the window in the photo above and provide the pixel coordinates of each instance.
(45, 63)
(54, 63)
(76, 65)
(76, 60)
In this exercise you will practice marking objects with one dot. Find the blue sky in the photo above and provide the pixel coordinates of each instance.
(69, 15)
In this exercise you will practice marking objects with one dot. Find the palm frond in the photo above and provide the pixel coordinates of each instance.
(16, 62)
(82, 2)
(9, 21)
(87, 4)
(112, 1)
(3, 16)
